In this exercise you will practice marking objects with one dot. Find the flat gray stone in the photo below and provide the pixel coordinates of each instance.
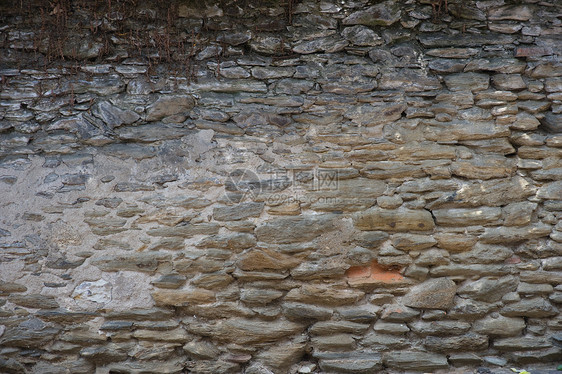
(418, 361)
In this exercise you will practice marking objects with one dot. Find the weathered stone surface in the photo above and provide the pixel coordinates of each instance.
(522, 343)
(98, 291)
(329, 268)
(398, 313)
(392, 170)
(551, 122)
(26, 338)
(483, 254)
(236, 242)
(467, 82)
(382, 14)
(185, 231)
(10, 365)
(338, 327)
(488, 289)
(293, 230)
(145, 262)
(245, 331)
(436, 293)
(362, 36)
(499, 65)
(457, 343)
(499, 326)
(374, 275)
(511, 82)
(65, 316)
(377, 341)
(518, 214)
(178, 335)
(132, 187)
(283, 356)
(105, 354)
(412, 360)
(535, 308)
(484, 168)
(322, 295)
(460, 216)
(335, 342)
(359, 314)
(455, 242)
(113, 116)
(298, 311)
(35, 301)
(266, 259)
(383, 327)
(439, 327)
(394, 220)
(259, 296)
(172, 281)
(11, 287)
(328, 44)
(354, 362)
(412, 242)
(514, 235)
(409, 80)
(182, 297)
(375, 115)
(169, 105)
(201, 350)
(510, 12)
(487, 193)
(463, 130)
(139, 314)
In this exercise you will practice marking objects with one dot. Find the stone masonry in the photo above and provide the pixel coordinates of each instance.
(246, 186)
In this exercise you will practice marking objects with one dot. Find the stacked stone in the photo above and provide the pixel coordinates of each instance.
(370, 187)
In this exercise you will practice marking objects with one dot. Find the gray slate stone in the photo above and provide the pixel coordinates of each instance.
(476, 342)
(418, 361)
(113, 116)
(382, 14)
(497, 325)
(362, 36)
(467, 82)
(359, 362)
(294, 230)
(552, 122)
(489, 289)
(534, 308)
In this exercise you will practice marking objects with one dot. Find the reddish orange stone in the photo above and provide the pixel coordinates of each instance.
(374, 273)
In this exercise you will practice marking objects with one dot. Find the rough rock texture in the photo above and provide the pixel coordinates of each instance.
(280, 187)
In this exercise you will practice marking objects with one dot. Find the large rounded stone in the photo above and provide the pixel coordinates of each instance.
(436, 293)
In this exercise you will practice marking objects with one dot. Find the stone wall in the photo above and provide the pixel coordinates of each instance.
(259, 187)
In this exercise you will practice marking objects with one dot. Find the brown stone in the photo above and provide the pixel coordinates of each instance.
(261, 259)
(435, 293)
(401, 219)
(34, 301)
(167, 106)
(164, 297)
(248, 331)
